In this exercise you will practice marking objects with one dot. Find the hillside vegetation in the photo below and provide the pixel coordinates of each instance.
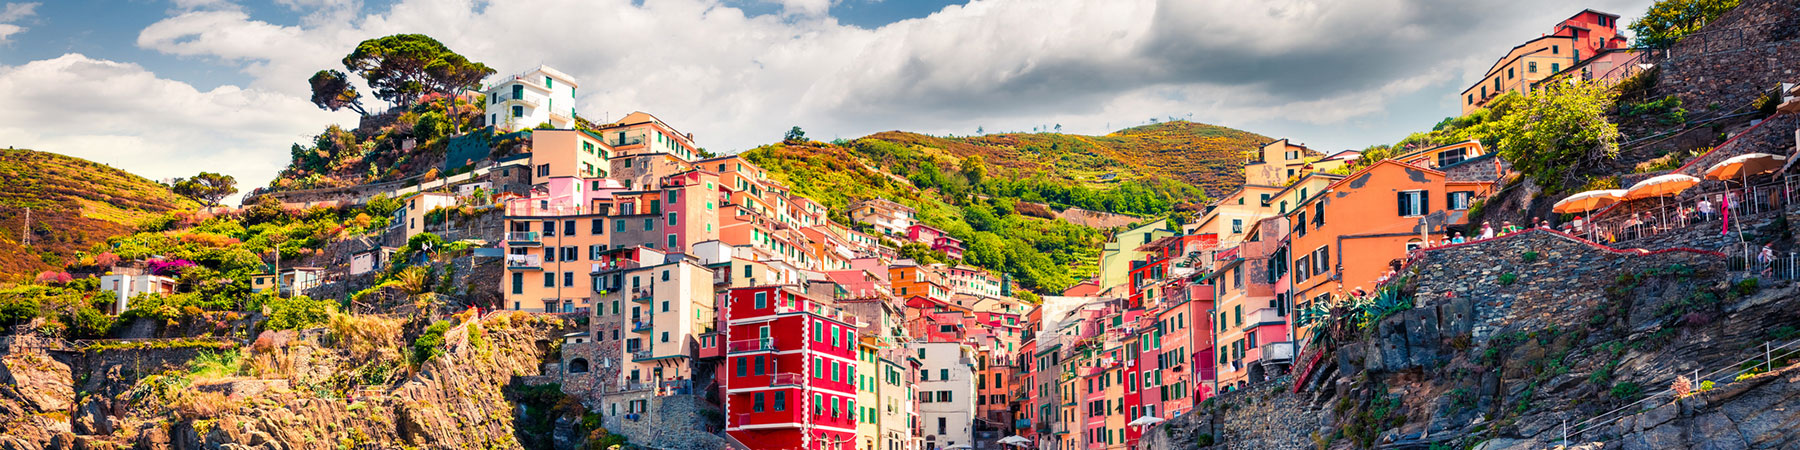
(74, 204)
(996, 193)
(1209, 157)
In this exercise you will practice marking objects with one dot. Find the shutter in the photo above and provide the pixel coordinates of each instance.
(1400, 198)
(1424, 203)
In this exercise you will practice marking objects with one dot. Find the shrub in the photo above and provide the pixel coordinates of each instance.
(1508, 278)
(430, 344)
(1706, 385)
(1203, 439)
(1746, 287)
(1530, 256)
(88, 323)
(297, 312)
(1626, 390)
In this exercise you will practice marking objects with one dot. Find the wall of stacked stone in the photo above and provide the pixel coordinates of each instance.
(672, 422)
(1538, 294)
(1733, 60)
(1265, 416)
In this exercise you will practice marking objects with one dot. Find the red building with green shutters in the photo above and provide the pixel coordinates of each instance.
(790, 366)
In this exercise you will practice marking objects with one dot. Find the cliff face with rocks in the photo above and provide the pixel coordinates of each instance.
(175, 396)
(1513, 338)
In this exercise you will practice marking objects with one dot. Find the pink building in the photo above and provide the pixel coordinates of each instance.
(937, 239)
(791, 365)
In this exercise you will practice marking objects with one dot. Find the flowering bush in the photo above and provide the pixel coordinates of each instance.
(169, 267)
(51, 276)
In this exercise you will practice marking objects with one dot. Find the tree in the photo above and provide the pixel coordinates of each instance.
(1555, 134)
(1668, 21)
(403, 67)
(974, 169)
(207, 187)
(331, 91)
(795, 135)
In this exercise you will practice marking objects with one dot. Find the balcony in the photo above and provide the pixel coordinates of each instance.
(784, 379)
(751, 345)
(524, 238)
(641, 355)
(1262, 316)
(640, 295)
(640, 327)
(525, 262)
(1277, 352)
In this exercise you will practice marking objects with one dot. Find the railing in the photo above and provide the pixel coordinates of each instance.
(1749, 257)
(1682, 215)
(634, 385)
(640, 326)
(1720, 378)
(1277, 352)
(615, 264)
(524, 237)
(785, 379)
(1261, 316)
(641, 355)
(524, 261)
(640, 295)
(750, 345)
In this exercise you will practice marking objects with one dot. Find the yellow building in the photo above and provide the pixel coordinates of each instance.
(1519, 69)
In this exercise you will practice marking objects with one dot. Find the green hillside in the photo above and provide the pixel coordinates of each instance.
(74, 203)
(1207, 156)
(997, 192)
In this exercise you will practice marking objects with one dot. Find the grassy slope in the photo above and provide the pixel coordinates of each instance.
(74, 204)
(836, 175)
(1207, 156)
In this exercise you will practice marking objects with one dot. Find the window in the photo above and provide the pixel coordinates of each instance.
(1319, 213)
(1237, 226)
(1509, 73)
(741, 363)
(649, 224)
(549, 279)
(672, 219)
(518, 92)
(1459, 200)
(1531, 67)
(1555, 50)
(757, 404)
(568, 279)
(1413, 203)
(762, 300)
(598, 227)
(1451, 156)
(1555, 67)
(518, 111)
(673, 242)
(549, 228)
(518, 283)
(1321, 260)
(619, 225)
(780, 400)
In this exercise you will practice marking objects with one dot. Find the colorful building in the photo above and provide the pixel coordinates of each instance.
(791, 364)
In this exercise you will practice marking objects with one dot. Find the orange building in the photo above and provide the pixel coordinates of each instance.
(568, 153)
(1348, 237)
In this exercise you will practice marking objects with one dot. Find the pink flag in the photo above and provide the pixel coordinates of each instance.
(1725, 211)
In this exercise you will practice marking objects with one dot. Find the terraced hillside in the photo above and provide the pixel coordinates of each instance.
(74, 203)
(1206, 156)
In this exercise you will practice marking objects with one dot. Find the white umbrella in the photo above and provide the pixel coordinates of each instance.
(1015, 440)
(1660, 187)
(1144, 421)
(1588, 201)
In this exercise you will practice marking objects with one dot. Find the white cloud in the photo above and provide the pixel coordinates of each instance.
(807, 8)
(14, 12)
(123, 115)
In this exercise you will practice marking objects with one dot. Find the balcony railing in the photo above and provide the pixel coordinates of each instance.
(1261, 316)
(640, 295)
(524, 261)
(524, 237)
(750, 345)
(784, 379)
(641, 355)
(640, 327)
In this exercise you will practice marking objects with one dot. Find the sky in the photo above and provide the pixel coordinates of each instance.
(169, 88)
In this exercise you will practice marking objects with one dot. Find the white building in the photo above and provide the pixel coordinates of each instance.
(946, 393)
(126, 286)
(540, 95)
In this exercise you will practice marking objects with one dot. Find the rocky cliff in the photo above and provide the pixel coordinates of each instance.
(348, 386)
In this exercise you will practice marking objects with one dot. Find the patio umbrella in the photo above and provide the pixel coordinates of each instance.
(1661, 186)
(1015, 440)
(1145, 421)
(1741, 167)
(1588, 201)
(1745, 165)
